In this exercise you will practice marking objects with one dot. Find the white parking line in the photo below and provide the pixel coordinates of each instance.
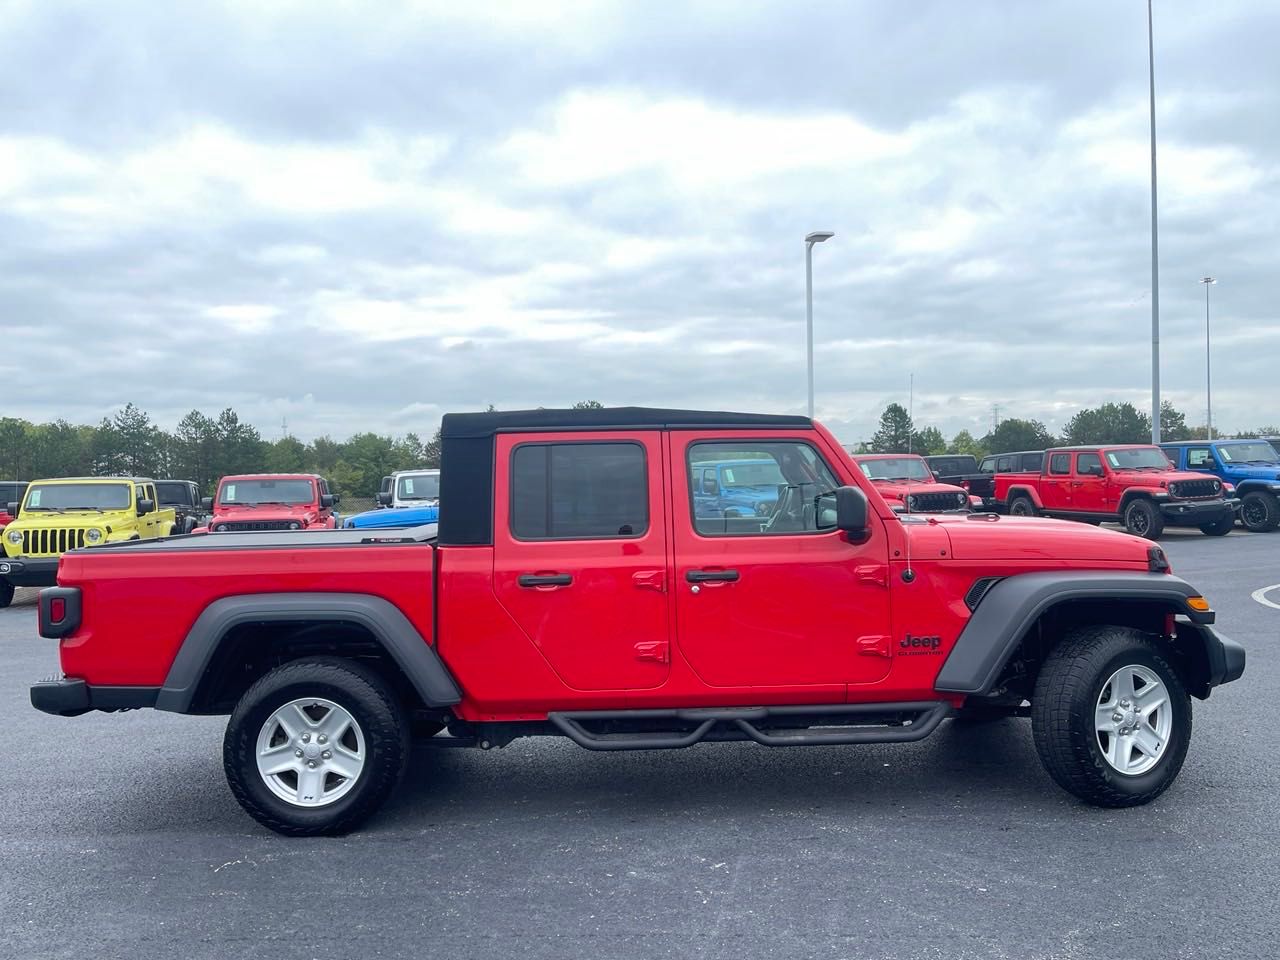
(1261, 596)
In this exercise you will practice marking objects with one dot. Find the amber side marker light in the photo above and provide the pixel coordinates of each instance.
(1198, 603)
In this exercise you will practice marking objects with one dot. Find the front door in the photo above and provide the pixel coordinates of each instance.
(1090, 485)
(580, 554)
(768, 599)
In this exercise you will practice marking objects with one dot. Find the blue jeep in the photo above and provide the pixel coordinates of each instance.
(1251, 466)
(735, 488)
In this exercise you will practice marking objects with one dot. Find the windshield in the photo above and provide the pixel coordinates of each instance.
(762, 474)
(83, 496)
(1140, 458)
(418, 486)
(173, 493)
(896, 468)
(1253, 452)
(245, 492)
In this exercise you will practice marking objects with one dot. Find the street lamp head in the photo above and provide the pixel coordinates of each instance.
(818, 236)
(1208, 280)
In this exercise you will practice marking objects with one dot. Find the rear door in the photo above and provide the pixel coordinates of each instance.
(769, 600)
(580, 553)
(1055, 483)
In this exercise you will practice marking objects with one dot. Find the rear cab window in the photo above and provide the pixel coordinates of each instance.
(579, 491)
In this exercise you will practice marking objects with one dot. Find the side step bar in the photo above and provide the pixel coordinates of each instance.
(790, 726)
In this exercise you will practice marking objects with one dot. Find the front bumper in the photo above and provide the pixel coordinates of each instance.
(1193, 513)
(70, 698)
(38, 572)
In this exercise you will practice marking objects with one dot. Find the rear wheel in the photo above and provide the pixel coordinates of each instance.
(1022, 507)
(1260, 512)
(1142, 519)
(6, 593)
(1110, 717)
(1220, 527)
(315, 746)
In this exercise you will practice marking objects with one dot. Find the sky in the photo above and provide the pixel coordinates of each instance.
(350, 216)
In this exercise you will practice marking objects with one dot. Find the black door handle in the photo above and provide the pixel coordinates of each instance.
(710, 576)
(545, 579)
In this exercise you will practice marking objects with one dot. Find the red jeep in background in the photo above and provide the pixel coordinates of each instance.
(572, 589)
(272, 501)
(1133, 484)
(906, 482)
(11, 491)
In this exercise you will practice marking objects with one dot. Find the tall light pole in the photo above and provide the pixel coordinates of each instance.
(1155, 244)
(816, 237)
(1208, 378)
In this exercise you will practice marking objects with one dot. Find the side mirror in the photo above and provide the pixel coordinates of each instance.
(145, 506)
(384, 499)
(327, 501)
(844, 508)
(11, 508)
(206, 503)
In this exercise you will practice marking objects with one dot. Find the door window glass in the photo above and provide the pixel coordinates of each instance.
(770, 487)
(579, 491)
(1199, 457)
(1060, 464)
(1089, 465)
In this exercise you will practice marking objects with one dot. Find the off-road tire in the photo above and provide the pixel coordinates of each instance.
(1063, 708)
(1022, 507)
(6, 593)
(1142, 518)
(1260, 512)
(1220, 527)
(358, 690)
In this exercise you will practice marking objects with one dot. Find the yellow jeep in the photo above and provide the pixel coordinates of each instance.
(60, 515)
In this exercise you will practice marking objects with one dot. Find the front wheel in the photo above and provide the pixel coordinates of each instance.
(1110, 717)
(6, 593)
(1259, 512)
(315, 746)
(1220, 527)
(1142, 519)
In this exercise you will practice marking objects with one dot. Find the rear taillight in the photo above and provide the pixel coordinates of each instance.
(59, 612)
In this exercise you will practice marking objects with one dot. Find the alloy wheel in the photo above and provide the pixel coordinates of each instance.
(310, 752)
(1133, 719)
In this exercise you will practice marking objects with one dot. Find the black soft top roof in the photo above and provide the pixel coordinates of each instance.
(467, 451)
(475, 425)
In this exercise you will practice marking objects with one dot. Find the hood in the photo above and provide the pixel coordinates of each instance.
(270, 511)
(72, 518)
(1254, 471)
(988, 536)
(1156, 478)
(399, 517)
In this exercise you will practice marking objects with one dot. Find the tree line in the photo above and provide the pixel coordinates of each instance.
(205, 448)
(1108, 423)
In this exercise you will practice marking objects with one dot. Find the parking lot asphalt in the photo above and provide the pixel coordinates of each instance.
(120, 838)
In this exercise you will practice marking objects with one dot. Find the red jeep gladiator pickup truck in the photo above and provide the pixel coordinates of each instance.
(571, 589)
(1132, 484)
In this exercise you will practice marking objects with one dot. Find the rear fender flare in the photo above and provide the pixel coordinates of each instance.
(388, 625)
(1029, 492)
(1011, 607)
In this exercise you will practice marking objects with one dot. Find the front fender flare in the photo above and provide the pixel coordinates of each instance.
(1010, 608)
(389, 626)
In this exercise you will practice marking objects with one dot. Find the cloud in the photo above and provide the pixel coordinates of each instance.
(360, 222)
